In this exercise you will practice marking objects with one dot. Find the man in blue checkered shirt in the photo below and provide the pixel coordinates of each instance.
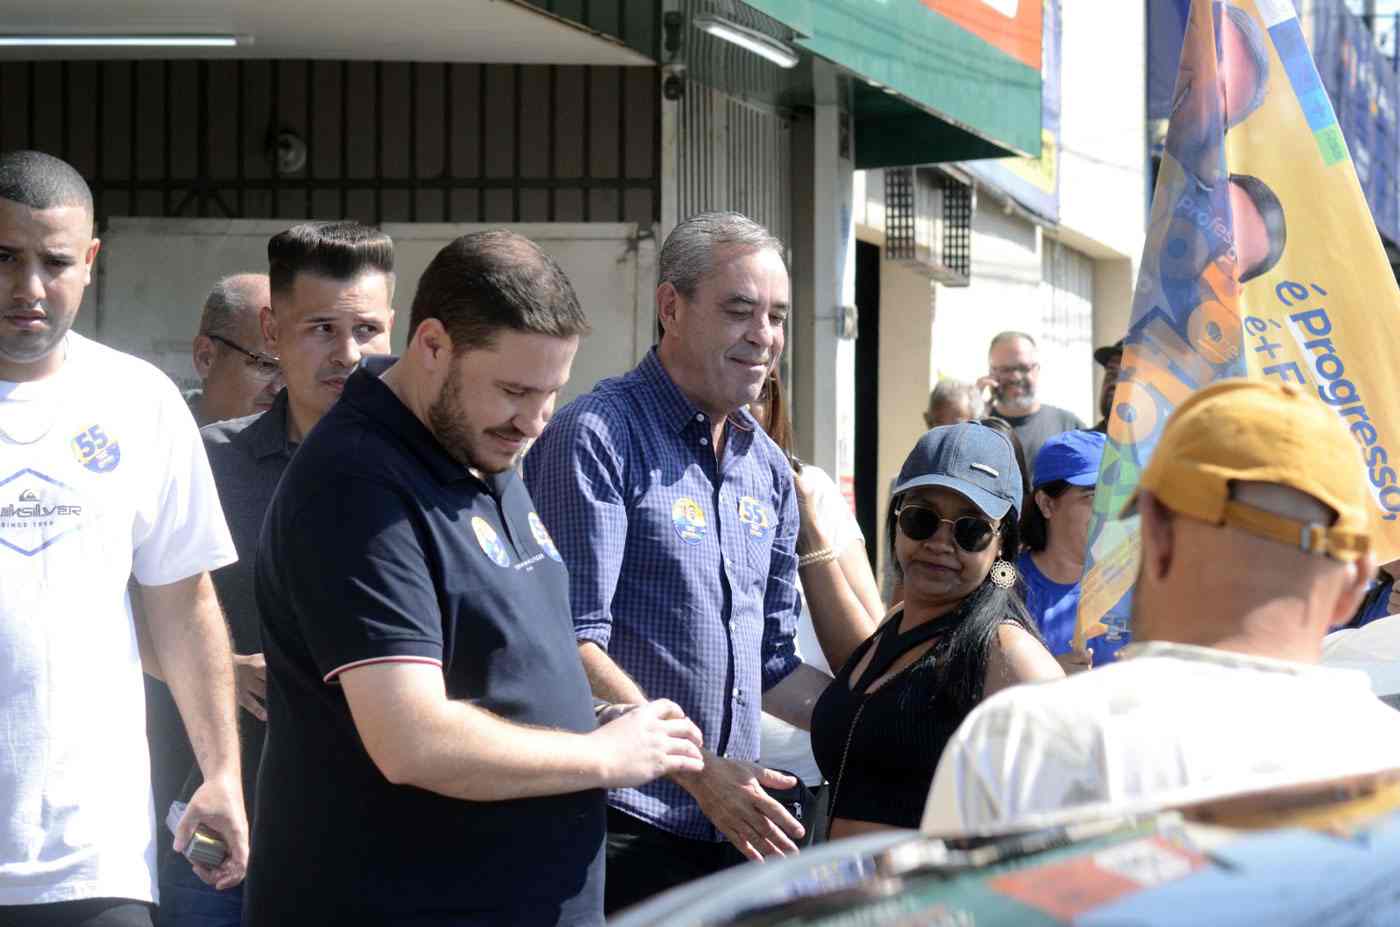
(676, 516)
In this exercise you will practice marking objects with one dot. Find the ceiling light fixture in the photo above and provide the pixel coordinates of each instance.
(765, 46)
(124, 41)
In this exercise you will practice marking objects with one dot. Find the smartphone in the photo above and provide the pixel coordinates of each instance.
(205, 847)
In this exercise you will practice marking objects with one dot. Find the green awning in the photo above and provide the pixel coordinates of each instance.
(945, 93)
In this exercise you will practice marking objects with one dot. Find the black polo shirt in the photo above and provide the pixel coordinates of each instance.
(377, 547)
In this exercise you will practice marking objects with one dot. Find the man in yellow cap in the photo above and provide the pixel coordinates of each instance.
(1254, 527)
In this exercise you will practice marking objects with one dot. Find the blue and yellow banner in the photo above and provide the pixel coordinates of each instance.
(1261, 259)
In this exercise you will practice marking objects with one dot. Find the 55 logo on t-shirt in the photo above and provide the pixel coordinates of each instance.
(96, 451)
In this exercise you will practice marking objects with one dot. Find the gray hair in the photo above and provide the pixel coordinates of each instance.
(1003, 337)
(688, 254)
(226, 303)
(950, 391)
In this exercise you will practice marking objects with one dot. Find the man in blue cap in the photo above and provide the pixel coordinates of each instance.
(1055, 532)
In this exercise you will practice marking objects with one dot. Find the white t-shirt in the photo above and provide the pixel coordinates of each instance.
(1171, 725)
(1374, 649)
(782, 746)
(114, 483)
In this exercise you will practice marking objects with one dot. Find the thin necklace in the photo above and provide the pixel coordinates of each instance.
(55, 401)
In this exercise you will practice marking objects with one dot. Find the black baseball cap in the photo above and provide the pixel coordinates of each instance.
(1109, 351)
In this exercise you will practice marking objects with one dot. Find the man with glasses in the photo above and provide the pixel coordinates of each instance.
(239, 377)
(1014, 373)
(331, 286)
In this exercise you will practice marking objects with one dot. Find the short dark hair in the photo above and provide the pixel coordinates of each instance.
(1271, 211)
(41, 181)
(1035, 529)
(337, 250)
(486, 281)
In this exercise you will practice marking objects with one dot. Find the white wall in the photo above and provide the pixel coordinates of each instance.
(1103, 126)
(157, 272)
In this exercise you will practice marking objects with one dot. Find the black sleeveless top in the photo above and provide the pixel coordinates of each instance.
(891, 739)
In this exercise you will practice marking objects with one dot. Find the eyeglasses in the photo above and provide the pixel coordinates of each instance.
(1015, 370)
(971, 533)
(264, 366)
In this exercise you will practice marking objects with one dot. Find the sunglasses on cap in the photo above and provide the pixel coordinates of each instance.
(970, 533)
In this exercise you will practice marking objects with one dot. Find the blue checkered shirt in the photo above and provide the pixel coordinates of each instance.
(683, 570)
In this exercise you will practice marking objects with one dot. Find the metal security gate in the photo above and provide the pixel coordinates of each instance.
(376, 141)
(734, 142)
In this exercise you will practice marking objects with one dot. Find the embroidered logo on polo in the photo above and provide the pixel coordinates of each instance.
(543, 539)
(688, 519)
(96, 451)
(755, 517)
(490, 542)
(37, 511)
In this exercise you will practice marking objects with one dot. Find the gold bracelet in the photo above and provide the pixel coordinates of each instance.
(824, 555)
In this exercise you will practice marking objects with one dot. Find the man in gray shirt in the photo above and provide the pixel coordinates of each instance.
(1014, 373)
(332, 285)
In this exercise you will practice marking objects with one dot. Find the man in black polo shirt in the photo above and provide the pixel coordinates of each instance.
(432, 753)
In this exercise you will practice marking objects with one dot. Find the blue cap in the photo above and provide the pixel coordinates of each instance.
(968, 458)
(1072, 456)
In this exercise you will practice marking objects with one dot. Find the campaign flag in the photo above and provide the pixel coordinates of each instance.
(1261, 259)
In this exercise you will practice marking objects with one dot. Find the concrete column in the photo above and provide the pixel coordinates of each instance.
(824, 278)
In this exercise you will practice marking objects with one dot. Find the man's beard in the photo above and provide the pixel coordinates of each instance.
(447, 419)
(1018, 405)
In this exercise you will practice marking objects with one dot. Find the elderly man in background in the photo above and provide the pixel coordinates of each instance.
(238, 375)
(952, 401)
(1255, 540)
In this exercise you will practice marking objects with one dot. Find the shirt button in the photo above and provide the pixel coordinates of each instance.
(699, 416)
(704, 440)
(736, 691)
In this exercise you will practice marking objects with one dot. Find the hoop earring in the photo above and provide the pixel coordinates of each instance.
(1003, 574)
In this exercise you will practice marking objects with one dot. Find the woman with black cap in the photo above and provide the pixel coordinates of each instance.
(960, 635)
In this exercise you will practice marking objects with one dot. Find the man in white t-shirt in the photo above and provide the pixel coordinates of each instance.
(102, 477)
(1255, 540)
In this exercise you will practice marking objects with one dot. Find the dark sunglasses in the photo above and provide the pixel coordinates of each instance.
(971, 533)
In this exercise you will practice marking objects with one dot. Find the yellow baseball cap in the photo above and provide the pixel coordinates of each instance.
(1267, 432)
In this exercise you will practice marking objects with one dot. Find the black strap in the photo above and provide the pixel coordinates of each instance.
(890, 645)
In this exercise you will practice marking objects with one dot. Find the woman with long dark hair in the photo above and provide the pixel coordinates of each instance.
(960, 635)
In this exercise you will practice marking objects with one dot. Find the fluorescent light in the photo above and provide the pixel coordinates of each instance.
(764, 46)
(123, 41)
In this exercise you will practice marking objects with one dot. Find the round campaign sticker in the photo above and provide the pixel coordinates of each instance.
(689, 520)
(490, 543)
(755, 518)
(95, 450)
(543, 539)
